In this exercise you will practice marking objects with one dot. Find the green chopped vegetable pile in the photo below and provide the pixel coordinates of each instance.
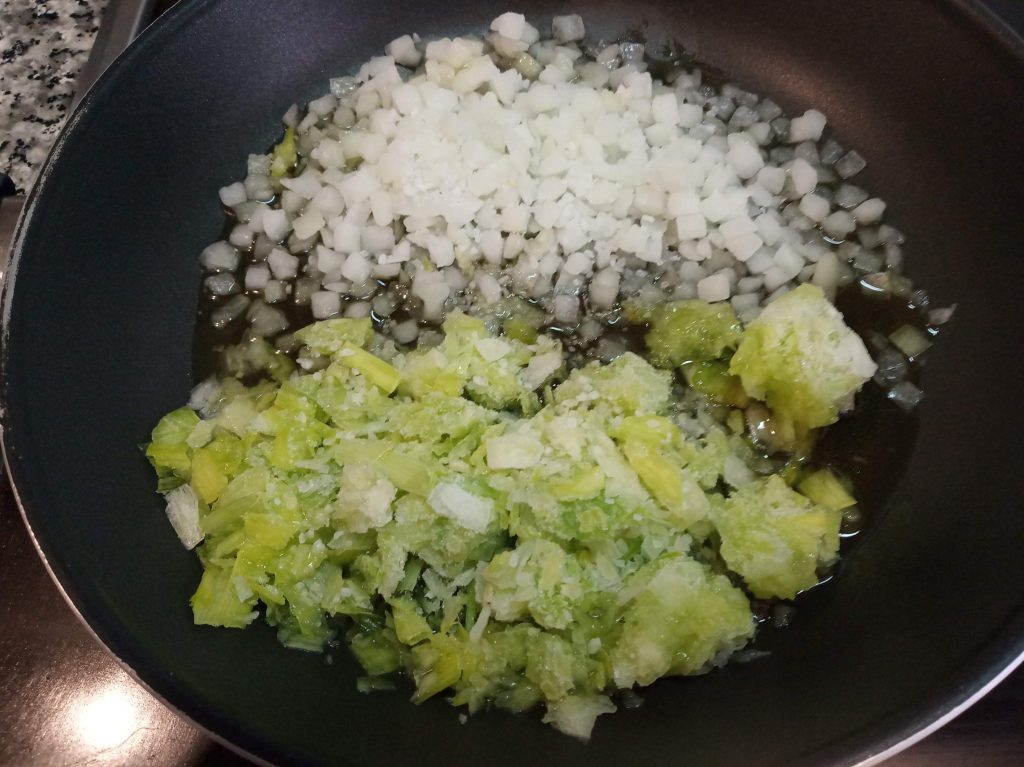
(503, 530)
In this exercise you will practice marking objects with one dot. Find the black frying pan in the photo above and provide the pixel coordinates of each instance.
(925, 613)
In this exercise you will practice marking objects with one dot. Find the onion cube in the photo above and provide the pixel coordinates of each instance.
(774, 278)
(769, 228)
(849, 196)
(578, 262)
(506, 84)
(386, 271)
(515, 218)
(745, 302)
(219, 257)
(241, 236)
(369, 146)
(665, 109)
(275, 291)
(266, 320)
(761, 132)
(682, 202)
(403, 50)
(491, 245)
(567, 29)
(906, 395)
(870, 211)
(850, 165)
(356, 268)
(761, 197)
(441, 251)
(716, 207)
(691, 272)
(347, 237)
(691, 226)
(807, 127)
(772, 178)
(760, 262)
(838, 224)
(750, 284)
(328, 261)
(306, 185)
(433, 292)
(283, 264)
(604, 289)
(378, 238)
(488, 287)
(542, 97)
(690, 115)
(566, 308)
(405, 332)
(233, 194)
(632, 238)
(224, 315)
(324, 304)
(275, 224)
(744, 246)
(649, 201)
(328, 202)
(736, 226)
(804, 176)
(329, 153)
(814, 207)
(788, 261)
(257, 187)
(826, 273)
(474, 74)
(515, 50)
(511, 25)
(305, 287)
(221, 284)
(358, 309)
(660, 134)
(307, 225)
(406, 99)
(256, 277)
(714, 288)
(890, 235)
(745, 159)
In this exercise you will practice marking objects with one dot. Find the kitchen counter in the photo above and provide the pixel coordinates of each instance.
(43, 45)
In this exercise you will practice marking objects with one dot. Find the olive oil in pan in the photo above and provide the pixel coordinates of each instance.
(871, 445)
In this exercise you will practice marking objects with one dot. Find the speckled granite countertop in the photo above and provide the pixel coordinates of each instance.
(43, 44)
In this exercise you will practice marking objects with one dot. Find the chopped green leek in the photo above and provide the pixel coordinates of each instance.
(376, 370)
(824, 488)
(499, 550)
(691, 331)
(285, 155)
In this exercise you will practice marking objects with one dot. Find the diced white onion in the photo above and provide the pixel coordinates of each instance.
(219, 257)
(324, 304)
(527, 168)
(283, 264)
(183, 512)
(233, 194)
(807, 127)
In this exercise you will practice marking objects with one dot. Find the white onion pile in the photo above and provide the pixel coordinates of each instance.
(458, 172)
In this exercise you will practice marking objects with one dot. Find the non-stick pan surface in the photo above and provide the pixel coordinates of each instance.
(100, 305)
